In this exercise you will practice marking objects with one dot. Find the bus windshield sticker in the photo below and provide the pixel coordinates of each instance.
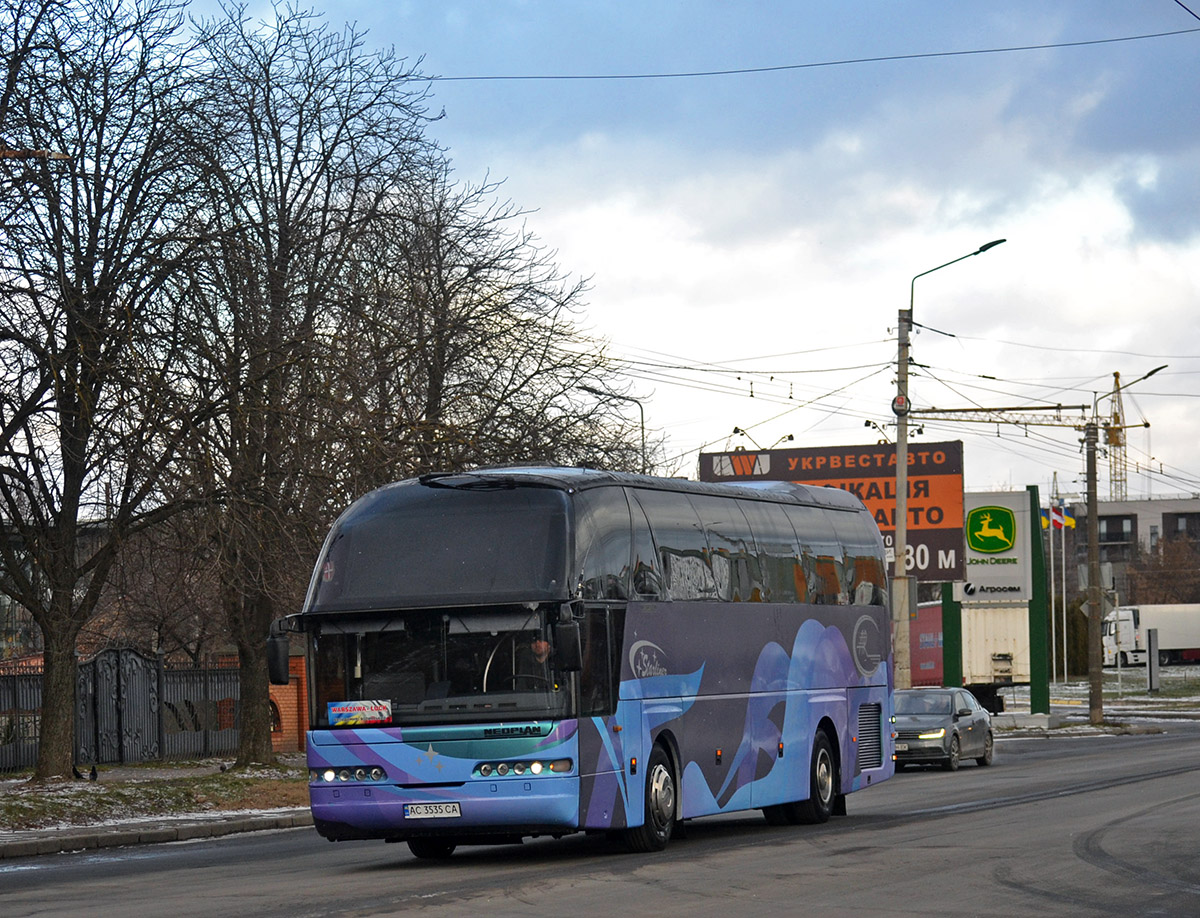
(357, 713)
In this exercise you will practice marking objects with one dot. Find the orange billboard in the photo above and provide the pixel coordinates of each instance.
(935, 491)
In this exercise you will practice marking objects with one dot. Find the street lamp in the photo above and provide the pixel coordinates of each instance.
(902, 589)
(624, 398)
(742, 432)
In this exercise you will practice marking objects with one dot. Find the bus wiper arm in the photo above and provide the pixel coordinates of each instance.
(468, 481)
(465, 481)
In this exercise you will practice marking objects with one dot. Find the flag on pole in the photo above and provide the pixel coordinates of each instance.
(1058, 517)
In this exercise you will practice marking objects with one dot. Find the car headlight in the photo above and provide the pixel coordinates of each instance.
(933, 734)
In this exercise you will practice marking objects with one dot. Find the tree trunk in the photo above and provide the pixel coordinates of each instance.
(56, 740)
(254, 729)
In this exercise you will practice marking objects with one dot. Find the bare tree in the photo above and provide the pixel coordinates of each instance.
(252, 291)
(307, 139)
(161, 596)
(1170, 573)
(475, 353)
(93, 412)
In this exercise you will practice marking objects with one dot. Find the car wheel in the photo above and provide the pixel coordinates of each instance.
(951, 763)
(988, 749)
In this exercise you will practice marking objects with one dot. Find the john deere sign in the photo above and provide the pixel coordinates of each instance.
(991, 530)
(997, 535)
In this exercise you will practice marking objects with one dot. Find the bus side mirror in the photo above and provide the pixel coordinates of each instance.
(568, 650)
(277, 654)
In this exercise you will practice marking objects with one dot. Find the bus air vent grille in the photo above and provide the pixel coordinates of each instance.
(870, 736)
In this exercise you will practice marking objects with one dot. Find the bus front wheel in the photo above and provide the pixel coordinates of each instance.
(655, 830)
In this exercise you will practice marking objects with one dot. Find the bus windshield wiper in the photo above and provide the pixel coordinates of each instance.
(470, 481)
(466, 481)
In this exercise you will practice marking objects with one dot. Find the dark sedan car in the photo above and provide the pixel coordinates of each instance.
(942, 726)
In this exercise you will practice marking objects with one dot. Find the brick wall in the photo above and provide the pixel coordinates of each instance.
(292, 702)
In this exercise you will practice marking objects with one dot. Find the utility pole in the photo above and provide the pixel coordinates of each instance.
(1091, 435)
(1028, 416)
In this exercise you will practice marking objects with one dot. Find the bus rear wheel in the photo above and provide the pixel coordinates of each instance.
(822, 790)
(822, 783)
(655, 830)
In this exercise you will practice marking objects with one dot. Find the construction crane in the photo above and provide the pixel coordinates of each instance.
(1115, 440)
(1018, 415)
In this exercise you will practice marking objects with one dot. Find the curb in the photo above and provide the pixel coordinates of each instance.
(81, 838)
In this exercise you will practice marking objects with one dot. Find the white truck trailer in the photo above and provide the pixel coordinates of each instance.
(995, 651)
(1124, 634)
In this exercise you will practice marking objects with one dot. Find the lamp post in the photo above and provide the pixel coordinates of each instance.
(903, 588)
(624, 398)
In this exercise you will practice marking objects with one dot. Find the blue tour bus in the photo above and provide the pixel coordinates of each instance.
(517, 652)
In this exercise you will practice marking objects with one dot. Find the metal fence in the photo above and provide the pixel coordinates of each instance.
(128, 708)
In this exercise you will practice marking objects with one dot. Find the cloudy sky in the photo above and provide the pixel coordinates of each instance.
(751, 188)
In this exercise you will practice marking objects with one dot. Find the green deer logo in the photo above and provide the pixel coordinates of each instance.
(991, 529)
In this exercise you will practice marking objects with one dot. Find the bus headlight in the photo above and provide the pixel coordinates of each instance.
(536, 767)
(361, 774)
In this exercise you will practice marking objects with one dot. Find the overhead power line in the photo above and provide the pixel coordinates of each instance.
(811, 65)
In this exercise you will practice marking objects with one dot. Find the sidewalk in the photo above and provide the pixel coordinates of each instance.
(147, 831)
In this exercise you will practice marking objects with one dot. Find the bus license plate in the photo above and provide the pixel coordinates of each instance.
(902, 747)
(431, 810)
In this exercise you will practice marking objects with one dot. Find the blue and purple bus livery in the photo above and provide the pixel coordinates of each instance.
(508, 653)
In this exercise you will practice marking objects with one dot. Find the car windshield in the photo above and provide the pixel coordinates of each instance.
(922, 703)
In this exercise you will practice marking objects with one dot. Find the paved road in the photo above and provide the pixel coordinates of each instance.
(1066, 826)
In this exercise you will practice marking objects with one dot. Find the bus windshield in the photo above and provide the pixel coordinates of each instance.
(448, 665)
(407, 546)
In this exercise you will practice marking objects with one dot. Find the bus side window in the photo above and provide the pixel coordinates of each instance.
(822, 559)
(647, 575)
(727, 533)
(596, 678)
(775, 561)
(602, 543)
(864, 576)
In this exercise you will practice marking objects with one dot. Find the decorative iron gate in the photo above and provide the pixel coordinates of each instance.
(117, 702)
(128, 708)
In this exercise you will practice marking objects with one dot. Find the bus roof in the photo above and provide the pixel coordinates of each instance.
(571, 479)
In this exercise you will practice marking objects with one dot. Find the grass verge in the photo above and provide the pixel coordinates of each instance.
(173, 789)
